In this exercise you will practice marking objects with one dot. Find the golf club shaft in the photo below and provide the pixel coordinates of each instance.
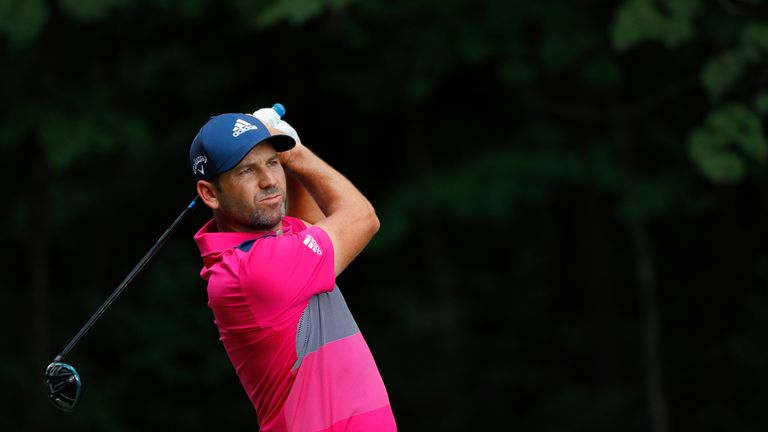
(160, 242)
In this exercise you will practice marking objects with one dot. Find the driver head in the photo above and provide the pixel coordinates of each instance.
(63, 384)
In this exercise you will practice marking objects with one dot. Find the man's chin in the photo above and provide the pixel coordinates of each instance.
(271, 223)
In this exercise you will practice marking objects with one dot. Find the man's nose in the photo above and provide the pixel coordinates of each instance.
(267, 180)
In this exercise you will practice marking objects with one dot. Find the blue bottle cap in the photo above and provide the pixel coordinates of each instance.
(279, 109)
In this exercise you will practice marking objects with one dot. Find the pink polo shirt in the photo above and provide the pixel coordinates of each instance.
(288, 332)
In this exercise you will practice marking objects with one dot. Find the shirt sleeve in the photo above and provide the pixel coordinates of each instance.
(282, 272)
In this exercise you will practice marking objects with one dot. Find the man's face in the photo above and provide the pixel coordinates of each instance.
(252, 194)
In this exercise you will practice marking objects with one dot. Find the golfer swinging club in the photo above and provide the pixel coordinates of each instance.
(271, 278)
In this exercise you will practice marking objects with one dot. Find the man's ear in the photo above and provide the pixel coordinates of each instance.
(208, 193)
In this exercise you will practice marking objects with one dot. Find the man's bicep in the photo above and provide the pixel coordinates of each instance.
(347, 242)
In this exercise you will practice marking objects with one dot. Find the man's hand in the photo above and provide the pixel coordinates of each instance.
(269, 117)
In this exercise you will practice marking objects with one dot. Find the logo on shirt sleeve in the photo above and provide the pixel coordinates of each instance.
(312, 245)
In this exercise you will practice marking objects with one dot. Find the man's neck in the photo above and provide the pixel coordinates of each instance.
(224, 225)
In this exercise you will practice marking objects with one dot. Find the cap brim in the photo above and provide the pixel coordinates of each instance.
(281, 142)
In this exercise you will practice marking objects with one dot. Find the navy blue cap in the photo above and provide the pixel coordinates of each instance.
(225, 140)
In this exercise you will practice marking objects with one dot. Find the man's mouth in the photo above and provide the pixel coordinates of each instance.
(271, 199)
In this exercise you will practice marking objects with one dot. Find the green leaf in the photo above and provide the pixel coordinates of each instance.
(740, 125)
(76, 132)
(22, 20)
(755, 37)
(731, 135)
(494, 184)
(723, 168)
(91, 10)
(647, 198)
(639, 21)
(683, 8)
(761, 103)
(420, 86)
(473, 45)
(517, 73)
(567, 35)
(604, 168)
(16, 125)
(295, 12)
(721, 72)
(187, 8)
(68, 138)
(724, 70)
(601, 72)
(636, 21)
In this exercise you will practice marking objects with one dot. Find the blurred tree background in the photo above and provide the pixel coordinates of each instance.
(573, 197)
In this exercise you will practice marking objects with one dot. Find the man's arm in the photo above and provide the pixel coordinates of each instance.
(349, 218)
(300, 203)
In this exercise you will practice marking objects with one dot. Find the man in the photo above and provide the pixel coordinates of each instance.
(271, 278)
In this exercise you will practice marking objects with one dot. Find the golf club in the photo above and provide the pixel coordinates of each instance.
(61, 379)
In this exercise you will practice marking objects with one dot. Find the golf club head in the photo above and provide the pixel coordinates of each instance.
(63, 385)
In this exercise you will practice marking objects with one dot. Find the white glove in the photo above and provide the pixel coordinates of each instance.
(269, 117)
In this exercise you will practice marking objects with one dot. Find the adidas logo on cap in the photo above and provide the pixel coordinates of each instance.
(242, 126)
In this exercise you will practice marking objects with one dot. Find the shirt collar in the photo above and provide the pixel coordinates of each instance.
(209, 240)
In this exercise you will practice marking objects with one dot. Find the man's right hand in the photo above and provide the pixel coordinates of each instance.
(269, 117)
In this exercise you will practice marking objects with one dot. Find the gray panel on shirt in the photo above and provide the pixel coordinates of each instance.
(325, 319)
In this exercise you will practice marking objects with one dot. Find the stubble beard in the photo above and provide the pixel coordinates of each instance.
(258, 218)
(265, 220)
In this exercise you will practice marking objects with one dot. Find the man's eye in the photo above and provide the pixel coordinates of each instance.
(245, 170)
(272, 162)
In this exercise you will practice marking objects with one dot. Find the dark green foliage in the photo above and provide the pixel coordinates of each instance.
(573, 200)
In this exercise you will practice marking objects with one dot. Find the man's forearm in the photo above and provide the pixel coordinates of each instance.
(330, 189)
(350, 220)
(300, 203)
